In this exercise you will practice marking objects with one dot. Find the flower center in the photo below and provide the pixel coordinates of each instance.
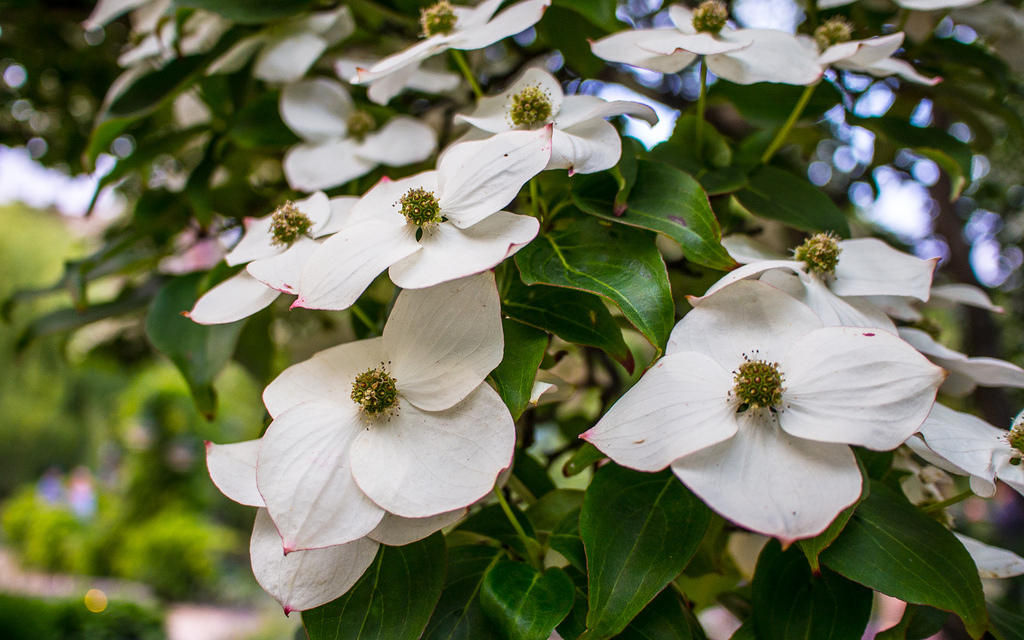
(288, 223)
(375, 391)
(439, 18)
(529, 107)
(1015, 438)
(420, 207)
(359, 124)
(820, 253)
(758, 384)
(710, 16)
(833, 31)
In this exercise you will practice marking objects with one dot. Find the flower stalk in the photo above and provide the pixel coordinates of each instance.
(460, 60)
(794, 115)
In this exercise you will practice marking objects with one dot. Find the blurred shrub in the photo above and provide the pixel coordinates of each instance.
(34, 619)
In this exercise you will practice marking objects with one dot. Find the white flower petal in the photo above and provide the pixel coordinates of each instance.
(869, 267)
(325, 377)
(235, 58)
(855, 386)
(515, 19)
(698, 43)
(283, 272)
(443, 341)
(423, 463)
(679, 406)
(934, 5)
(992, 562)
(580, 108)
(238, 297)
(491, 113)
(470, 17)
(397, 531)
(682, 18)
(895, 306)
(966, 441)
(305, 579)
(833, 310)
(965, 373)
(382, 89)
(256, 243)
(316, 109)
(305, 477)
(232, 469)
(383, 200)
(746, 250)
(401, 141)
(346, 263)
(316, 207)
(770, 482)
(751, 270)
(773, 56)
(309, 167)
(625, 47)
(965, 294)
(448, 253)
(341, 214)
(587, 147)
(287, 59)
(107, 10)
(901, 68)
(745, 316)
(859, 54)
(477, 179)
(405, 58)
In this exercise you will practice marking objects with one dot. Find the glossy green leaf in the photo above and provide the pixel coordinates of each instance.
(779, 195)
(458, 615)
(199, 351)
(523, 602)
(917, 623)
(666, 200)
(550, 509)
(247, 11)
(890, 546)
(812, 547)
(598, 12)
(639, 530)
(565, 539)
(392, 601)
(514, 377)
(666, 618)
(259, 125)
(791, 603)
(681, 148)
(150, 91)
(530, 475)
(491, 522)
(573, 316)
(614, 261)
(746, 632)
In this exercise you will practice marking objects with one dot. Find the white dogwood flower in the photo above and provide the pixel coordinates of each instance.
(401, 424)
(872, 55)
(965, 444)
(755, 403)
(432, 227)
(834, 277)
(965, 373)
(303, 580)
(743, 56)
(286, 50)
(446, 26)
(418, 77)
(341, 142)
(276, 248)
(581, 140)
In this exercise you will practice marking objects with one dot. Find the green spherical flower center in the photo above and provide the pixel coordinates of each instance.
(1016, 438)
(530, 106)
(287, 224)
(375, 391)
(820, 253)
(833, 31)
(758, 384)
(420, 207)
(439, 18)
(359, 124)
(710, 16)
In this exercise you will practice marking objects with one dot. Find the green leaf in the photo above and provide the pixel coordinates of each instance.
(746, 632)
(790, 602)
(525, 603)
(573, 316)
(1005, 624)
(639, 530)
(549, 510)
(617, 262)
(892, 547)
(562, 29)
(513, 378)
(392, 601)
(458, 615)
(247, 11)
(565, 539)
(767, 104)
(666, 618)
(259, 125)
(779, 195)
(681, 149)
(532, 475)
(917, 623)
(102, 135)
(199, 351)
(599, 12)
(491, 522)
(666, 200)
(150, 91)
(585, 456)
(812, 547)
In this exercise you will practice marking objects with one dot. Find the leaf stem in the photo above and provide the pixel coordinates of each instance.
(528, 543)
(794, 115)
(460, 60)
(939, 506)
(701, 101)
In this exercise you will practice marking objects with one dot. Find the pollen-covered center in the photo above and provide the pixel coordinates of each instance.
(287, 224)
(375, 391)
(1015, 438)
(833, 31)
(758, 384)
(820, 253)
(530, 106)
(710, 16)
(439, 18)
(359, 124)
(420, 207)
